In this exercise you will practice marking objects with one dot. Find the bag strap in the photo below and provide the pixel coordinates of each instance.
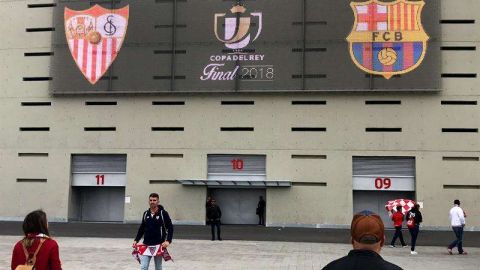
(163, 223)
(34, 257)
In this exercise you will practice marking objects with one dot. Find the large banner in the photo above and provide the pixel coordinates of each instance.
(131, 46)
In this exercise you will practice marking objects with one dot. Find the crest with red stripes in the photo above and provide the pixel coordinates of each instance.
(388, 37)
(95, 36)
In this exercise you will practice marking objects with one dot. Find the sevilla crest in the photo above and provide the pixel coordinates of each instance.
(388, 37)
(95, 36)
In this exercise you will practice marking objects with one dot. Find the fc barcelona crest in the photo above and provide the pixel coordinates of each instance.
(95, 36)
(387, 37)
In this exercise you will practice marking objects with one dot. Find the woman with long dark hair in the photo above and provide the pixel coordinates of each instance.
(36, 248)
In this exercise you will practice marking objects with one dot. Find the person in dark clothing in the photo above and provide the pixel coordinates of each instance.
(214, 214)
(414, 218)
(397, 219)
(156, 229)
(261, 211)
(209, 202)
(368, 236)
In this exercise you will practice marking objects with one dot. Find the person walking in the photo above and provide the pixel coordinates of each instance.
(367, 236)
(414, 218)
(156, 229)
(37, 248)
(214, 214)
(261, 211)
(457, 220)
(397, 218)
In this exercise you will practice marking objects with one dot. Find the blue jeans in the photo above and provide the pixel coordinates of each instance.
(145, 262)
(457, 242)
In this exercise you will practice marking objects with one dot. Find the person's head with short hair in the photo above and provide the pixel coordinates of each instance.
(35, 223)
(367, 231)
(399, 208)
(213, 202)
(456, 201)
(153, 200)
(416, 206)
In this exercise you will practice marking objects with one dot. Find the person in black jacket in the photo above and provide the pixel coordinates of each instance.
(368, 236)
(214, 214)
(261, 211)
(156, 229)
(414, 218)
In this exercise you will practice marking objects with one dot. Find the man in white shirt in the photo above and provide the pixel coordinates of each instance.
(457, 219)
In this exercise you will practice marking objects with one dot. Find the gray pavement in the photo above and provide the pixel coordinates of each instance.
(236, 232)
(80, 253)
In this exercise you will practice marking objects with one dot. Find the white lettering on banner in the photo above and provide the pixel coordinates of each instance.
(237, 57)
(383, 183)
(212, 72)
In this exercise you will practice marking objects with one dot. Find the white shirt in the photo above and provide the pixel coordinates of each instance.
(457, 217)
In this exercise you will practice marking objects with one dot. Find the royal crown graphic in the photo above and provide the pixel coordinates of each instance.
(237, 27)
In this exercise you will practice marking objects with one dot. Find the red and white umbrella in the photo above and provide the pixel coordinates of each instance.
(406, 205)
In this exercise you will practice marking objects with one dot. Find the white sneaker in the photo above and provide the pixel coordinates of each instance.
(413, 252)
(392, 246)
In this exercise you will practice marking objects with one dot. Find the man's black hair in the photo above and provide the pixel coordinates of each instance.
(153, 195)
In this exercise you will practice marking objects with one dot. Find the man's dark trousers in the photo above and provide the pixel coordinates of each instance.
(398, 234)
(414, 233)
(458, 230)
(217, 224)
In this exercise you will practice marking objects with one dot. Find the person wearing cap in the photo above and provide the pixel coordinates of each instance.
(368, 236)
(457, 220)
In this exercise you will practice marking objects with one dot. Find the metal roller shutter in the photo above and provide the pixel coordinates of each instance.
(384, 173)
(237, 167)
(99, 170)
(99, 163)
(398, 166)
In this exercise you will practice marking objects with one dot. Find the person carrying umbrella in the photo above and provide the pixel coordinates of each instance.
(397, 219)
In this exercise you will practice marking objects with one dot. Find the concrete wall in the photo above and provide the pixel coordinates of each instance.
(420, 115)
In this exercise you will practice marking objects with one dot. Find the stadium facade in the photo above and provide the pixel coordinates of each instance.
(293, 109)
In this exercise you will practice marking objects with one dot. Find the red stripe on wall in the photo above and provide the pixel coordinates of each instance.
(399, 17)
(104, 55)
(85, 53)
(367, 55)
(94, 62)
(391, 25)
(75, 49)
(388, 68)
(407, 55)
(414, 16)
(114, 49)
(405, 16)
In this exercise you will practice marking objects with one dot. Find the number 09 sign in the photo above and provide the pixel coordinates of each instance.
(384, 183)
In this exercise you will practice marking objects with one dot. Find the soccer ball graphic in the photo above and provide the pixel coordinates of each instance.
(387, 56)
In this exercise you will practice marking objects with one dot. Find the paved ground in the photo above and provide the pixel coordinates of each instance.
(114, 253)
(232, 232)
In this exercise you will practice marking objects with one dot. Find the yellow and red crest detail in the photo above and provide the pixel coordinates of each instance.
(95, 36)
(387, 37)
